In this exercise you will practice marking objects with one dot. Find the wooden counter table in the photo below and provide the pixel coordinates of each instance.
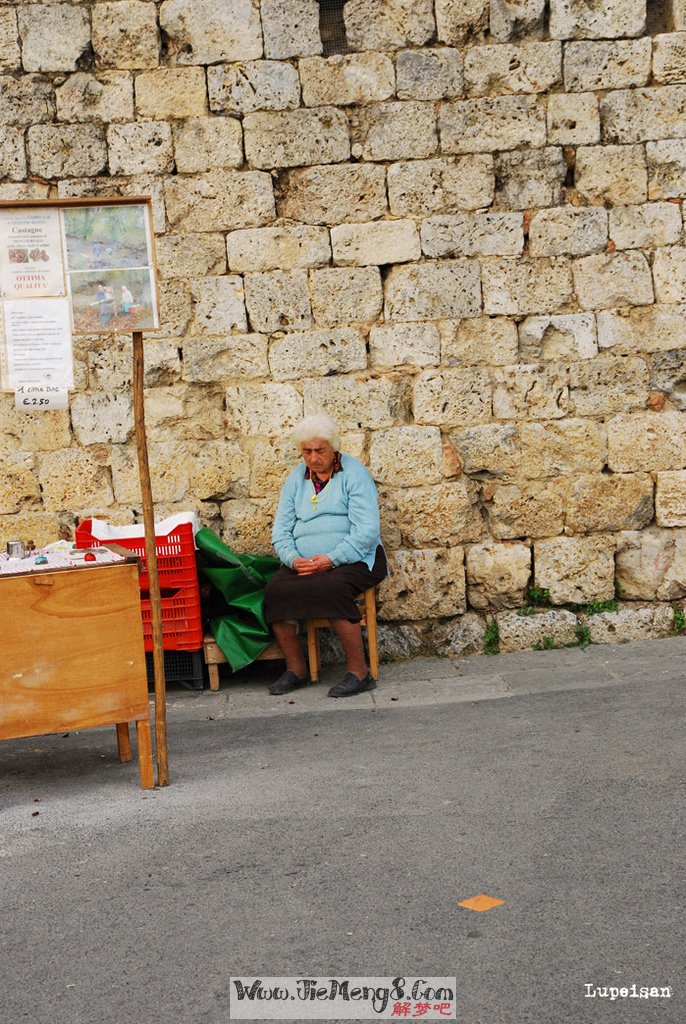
(72, 655)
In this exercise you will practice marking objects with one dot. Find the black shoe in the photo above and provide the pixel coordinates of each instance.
(287, 682)
(350, 685)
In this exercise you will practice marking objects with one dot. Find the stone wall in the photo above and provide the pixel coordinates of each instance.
(463, 238)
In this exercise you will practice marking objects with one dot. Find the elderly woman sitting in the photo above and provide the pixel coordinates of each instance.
(326, 533)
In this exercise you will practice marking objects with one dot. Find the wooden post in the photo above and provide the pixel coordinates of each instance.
(151, 559)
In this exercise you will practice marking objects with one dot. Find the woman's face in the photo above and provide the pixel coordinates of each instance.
(318, 455)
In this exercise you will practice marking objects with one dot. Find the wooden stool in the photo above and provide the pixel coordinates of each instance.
(214, 657)
(367, 605)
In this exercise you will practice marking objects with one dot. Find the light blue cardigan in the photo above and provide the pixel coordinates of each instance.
(344, 525)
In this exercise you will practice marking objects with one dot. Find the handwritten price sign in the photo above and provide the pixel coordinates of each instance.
(36, 397)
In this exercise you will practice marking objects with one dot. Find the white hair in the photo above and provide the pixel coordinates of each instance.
(319, 427)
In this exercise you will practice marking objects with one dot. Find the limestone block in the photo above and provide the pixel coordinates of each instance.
(370, 25)
(18, 482)
(613, 279)
(669, 271)
(651, 564)
(171, 93)
(200, 32)
(669, 58)
(102, 418)
(207, 143)
(10, 54)
(456, 20)
(568, 231)
(645, 227)
(240, 356)
(610, 502)
(12, 155)
(606, 385)
(668, 377)
(629, 623)
(323, 353)
(253, 85)
(679, 15)
(278, 301)
(270, 463)
(404, 345)
(573, 119)
(290, 28)
(502, 69)
(492, 123)
(110, 366)
(291, 138)
(141, 148)
(473, 234)
(439, 516)
(646, 329)
(569, 336)
(56, 151)
(220, 201)
(619, 64)
(539, 392)
(72, 479)
(247, 525)
(670, 499)
(576, 569)
(612, 175)
(599, 19)
(491, 449)
(562, 448)
(394, 131)
(41, 527)
(514, 286)
(452, 398)
(513, 18)
(497, 574)
(533, 632)
(219, 305)
(429, 74)
(356, 403)
(646, 441)
(375, 243)
(344, 79)
(125, 34)
(666, 169)
(534, 509)
(25, 100)
(423, 584)
(53, 38)
(345, 295)
(33, 432)
(267, 409)
(277, 248)
(83, 97)
(11, 191)
(530, 178)
(430, 291)
(490, 340)
(175, 306)
(463, 635)
(191, 255)
(184, 413)
(441, 186)
(406, 456)
(639, 115)
(330, 195)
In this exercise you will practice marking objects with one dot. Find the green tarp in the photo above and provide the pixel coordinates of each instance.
(239, 626)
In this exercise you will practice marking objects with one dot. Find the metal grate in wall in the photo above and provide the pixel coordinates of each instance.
(658, 16)
(332, 27)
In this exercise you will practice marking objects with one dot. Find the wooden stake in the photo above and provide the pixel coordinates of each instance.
(151, 559)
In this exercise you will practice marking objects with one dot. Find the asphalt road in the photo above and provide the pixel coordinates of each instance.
(334, 838)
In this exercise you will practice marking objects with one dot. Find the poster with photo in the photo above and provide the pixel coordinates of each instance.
(31, 256)
(108, 252)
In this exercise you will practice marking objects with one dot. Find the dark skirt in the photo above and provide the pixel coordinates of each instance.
(326, 595)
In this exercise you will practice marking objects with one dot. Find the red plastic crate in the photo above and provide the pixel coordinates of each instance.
(181, 620)
(178, 577)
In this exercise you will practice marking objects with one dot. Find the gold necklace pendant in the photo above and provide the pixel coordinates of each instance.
(314, 499)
